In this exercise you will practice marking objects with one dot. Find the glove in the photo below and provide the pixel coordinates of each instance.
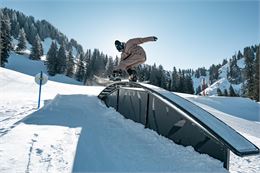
(155, 38)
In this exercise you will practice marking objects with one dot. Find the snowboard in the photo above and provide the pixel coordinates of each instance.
(106, 81)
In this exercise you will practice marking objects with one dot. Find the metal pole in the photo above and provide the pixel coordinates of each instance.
(39, 100)
(147, 111)
(117, 100)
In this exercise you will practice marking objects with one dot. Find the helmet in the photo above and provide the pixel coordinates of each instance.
(119, 45)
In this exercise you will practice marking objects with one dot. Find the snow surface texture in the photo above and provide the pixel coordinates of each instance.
(74, 131)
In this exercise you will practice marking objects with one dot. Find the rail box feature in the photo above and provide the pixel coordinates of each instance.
(177, 119)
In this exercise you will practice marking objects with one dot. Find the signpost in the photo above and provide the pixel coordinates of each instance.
(40, 79)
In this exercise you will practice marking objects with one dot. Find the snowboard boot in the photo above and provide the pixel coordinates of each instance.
(117, 73)
(132, 75)
(116, 76)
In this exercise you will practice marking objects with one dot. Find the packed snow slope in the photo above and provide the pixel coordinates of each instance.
(74, 131)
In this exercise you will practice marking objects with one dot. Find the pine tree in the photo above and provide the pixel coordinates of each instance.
(224, 62)
(6, 40)
(31, 32)
(231, 91)
(143, 72)
(70, 65)
(239, 55)
(189, 85)
(36, 50)
(198, 90)
(168, 80)
(88, 65)
(197, 73)
(234, 75)
(161, 78)
(22, 40)
(80, 74)
(116, 62)
(249, 59)
(98, 63)
(52, 59)
(203, 71)
(61, 58)
(181, 86)
(14, 25)
(219, 92)
(225, 92)
(109, 66)
(175, 80)
(213, 73)
(256, 79)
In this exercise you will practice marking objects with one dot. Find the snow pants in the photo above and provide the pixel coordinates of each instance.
(132, 61)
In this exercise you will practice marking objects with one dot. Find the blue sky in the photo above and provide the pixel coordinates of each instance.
(190, 33)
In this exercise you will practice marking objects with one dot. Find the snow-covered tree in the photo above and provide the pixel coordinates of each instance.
(80, 74)
(52, 59)
(257, 79)
(36, 50)
(109, 66)
(6, 40)
(61, 60)
(225, 92)
(70, 65)
(22, 40)
(231, 91)
(249, 61)
(175, 80)
(219, 92)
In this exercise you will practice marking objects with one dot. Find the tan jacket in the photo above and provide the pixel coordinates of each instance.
(132, 47)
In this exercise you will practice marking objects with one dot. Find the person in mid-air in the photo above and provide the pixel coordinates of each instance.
(132, 55)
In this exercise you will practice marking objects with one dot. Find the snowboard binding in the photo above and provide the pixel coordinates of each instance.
(116, 76)
(132, 75)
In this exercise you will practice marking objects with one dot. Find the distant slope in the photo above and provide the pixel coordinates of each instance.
(235, 106)
(21, 63)
(223, 82)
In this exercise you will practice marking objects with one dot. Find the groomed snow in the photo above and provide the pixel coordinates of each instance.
(74, 131)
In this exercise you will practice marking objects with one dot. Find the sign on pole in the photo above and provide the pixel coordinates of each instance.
(40, 79)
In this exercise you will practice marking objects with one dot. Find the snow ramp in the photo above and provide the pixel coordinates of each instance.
(177, 119)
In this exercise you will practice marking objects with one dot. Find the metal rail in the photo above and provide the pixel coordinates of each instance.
(177, 119)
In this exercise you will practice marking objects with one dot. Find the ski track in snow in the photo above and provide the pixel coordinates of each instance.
(10, 114)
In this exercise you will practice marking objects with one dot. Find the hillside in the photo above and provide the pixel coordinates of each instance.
(232, 77)
(231, 73)
(23, 64)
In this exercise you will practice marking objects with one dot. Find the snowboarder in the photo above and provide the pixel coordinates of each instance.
(132, 55)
